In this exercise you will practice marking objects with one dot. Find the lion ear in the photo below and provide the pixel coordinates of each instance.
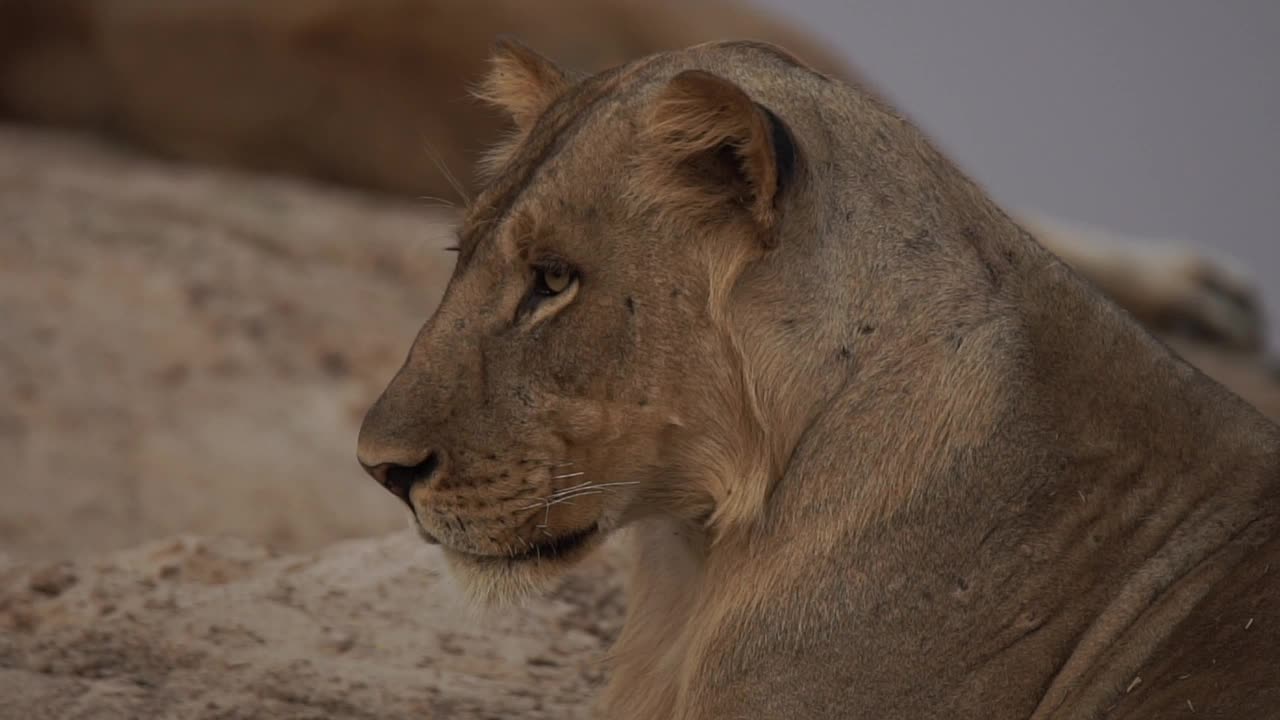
(521, 82)
(720, 150)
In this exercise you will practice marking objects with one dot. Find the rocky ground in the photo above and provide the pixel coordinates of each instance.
(204, 628)
(190, 351)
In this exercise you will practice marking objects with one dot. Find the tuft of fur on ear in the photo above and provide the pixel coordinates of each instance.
(521, 82)
(716, 149)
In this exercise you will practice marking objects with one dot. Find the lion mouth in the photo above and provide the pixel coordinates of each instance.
(560, 547)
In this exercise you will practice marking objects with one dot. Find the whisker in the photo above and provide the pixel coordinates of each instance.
(569, 492)
(448, 174)
(580, 473)
(580, 493)
(570, 489)
(617, 484)
(546, 504)
(587, 485)
(438, 201)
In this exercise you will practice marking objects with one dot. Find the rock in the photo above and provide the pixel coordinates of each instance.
(362, 629)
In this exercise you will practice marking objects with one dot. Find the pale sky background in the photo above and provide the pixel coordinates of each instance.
(1151, 117)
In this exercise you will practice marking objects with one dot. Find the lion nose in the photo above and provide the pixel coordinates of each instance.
(399, 479)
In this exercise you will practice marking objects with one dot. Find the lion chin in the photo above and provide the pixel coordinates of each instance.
(502, 580)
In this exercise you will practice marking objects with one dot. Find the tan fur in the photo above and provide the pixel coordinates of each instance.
(522, 82)
(890, 459)
(697, 114)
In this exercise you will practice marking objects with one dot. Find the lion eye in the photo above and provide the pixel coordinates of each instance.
(553, 280)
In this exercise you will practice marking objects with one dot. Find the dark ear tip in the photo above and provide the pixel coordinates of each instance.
(784, 147)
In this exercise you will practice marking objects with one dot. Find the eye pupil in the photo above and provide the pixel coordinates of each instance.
(553, 281)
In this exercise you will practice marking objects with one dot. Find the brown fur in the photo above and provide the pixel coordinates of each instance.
(888, 458)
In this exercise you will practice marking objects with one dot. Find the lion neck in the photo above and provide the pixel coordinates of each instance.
(978, 336)
(996, 432)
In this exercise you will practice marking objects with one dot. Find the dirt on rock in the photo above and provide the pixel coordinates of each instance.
(190, 351)
(198, 628)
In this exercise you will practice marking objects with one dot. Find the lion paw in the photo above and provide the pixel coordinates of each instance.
(1188, 293)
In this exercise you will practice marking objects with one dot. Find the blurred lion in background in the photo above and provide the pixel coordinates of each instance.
(353, 91)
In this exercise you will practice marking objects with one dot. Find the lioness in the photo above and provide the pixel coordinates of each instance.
(883, 454)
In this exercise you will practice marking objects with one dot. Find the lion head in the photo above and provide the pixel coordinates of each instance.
(673, 269)
(580, 372)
